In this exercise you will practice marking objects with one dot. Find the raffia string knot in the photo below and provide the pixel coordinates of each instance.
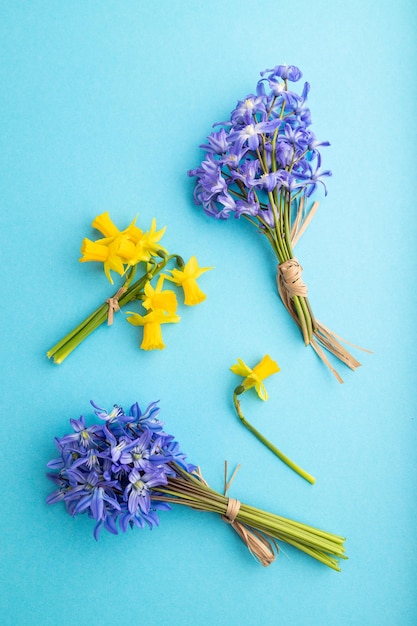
(290, 277)
(114, 306)
(263, 549)
(291, 284)
(232, 511)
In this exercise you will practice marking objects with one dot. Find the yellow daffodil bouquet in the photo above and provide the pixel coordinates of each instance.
(139, 259)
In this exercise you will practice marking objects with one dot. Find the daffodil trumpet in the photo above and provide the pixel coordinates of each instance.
(123, 252)
(253, 378)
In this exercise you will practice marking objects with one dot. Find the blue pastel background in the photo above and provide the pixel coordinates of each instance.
(103, 106)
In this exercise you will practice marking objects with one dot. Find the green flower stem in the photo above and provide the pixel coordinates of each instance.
(313, 319)
(300, 314)
(287, 227)
(303, 311)
(59, 352)
(281, 208)
(266, 442)
(307, 318)
(191, 491)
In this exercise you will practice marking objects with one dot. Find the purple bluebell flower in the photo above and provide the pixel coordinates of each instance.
(268, 216)
(137, 452)
(140, 519)
(248, 172)
(66, 458)
(295, 136)
(217, 142)
(89, 491)
(284, 153)
(148, 419)
(171, 452)
(313, 143)
(228, 202)
(109, 523)
(91, 459)
(289, 181)
(248, 108)
(112, 416)
(286, 72)
(82, 435)
(270, 181)
(300, 109)
(317, 177)
(137, 491)
(251, 133)
(276, 86)
(250, 206)
(59, 494)
(233, 158)
(210, 177)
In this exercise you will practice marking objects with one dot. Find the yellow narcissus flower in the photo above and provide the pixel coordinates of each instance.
(157, 299)
(137, 245)
(105, 225)
(187, 279)
(254, 377)
(146, 244)
(112, 252)
(152, 332)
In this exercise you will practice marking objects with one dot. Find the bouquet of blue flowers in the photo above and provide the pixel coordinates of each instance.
(124, 470)
(263, 165)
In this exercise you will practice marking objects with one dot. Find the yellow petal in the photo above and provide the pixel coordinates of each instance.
(146, 243)
(186, 278)
(152, 337)
(177, 277)
(241, 369)
(134, 233)
(266, 367)
(253, 378)
(192, 293)
(135, 319)
(149, 290)
(157, 316)
(115, 263)
(163, 300)
(261, 390)
(152, 333)
(124, 248)
(93, 251)
(193, 270)
(140, 253)
(104, 224)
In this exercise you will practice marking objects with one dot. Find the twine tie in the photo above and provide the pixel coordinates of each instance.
(258, 545)
(290, 277)
(114, 306)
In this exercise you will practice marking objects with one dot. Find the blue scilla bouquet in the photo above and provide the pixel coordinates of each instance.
(264, 165)
(124, 469)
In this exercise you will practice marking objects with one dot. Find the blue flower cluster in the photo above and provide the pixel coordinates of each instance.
(266, 146)
(109, 470)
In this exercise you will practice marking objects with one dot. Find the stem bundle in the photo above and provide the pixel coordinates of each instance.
(192, 491)
(131, 291)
